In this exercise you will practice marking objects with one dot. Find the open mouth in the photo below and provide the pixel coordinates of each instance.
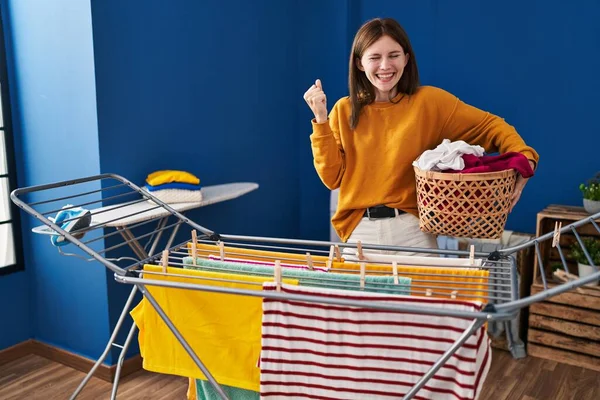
(385, 78)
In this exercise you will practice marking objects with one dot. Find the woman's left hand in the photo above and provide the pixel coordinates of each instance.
(519, 185)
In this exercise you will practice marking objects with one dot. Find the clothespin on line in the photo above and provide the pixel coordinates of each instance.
(165, 260)
(359, 251)
(428, 292)
(277, 275)
(363, 268)
(329, 261)
(309, 261)
(453, 294)
(556, 238)
(395, 271)
(472, 255)
(221, 250)
(338, 254)
(194, 246)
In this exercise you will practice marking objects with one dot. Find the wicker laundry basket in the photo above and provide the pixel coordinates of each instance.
(464, 205)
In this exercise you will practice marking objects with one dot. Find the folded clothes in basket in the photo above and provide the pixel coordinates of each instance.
(70, 219)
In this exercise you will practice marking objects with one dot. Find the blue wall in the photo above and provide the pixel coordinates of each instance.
(215, 87)
(14, 288)
(55, 126)
(531, 62)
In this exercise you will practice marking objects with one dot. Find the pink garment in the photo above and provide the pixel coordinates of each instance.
(510, 160)
(322, 351)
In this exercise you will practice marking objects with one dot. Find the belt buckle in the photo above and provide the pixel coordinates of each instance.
(369, 215)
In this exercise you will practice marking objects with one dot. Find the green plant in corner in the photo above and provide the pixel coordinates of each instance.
(593, 248)
(591, 191)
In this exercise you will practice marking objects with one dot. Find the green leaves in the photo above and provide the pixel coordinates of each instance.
(593, 248)
(591, 191)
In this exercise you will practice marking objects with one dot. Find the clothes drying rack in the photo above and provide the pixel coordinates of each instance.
(125, 252)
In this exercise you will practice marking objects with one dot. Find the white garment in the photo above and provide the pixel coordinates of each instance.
(171, 196)
(315, 350)
(402, 230)
(447, 155)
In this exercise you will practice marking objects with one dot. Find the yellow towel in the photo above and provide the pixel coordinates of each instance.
(477, 278)
(167, 176)
(224, 330)
(204, 250)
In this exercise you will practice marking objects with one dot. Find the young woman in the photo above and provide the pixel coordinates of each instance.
(367, 144)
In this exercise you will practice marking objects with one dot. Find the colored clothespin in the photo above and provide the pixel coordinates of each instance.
(165, 260)
(472, 255)
(363, 268)
(221, 250)
(338, 253)
(395, 271)
(359, 251)
(309, 262)
(277, 275)
(329, 261)
(194, 246)
(556, 238)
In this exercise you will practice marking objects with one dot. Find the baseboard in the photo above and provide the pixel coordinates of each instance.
(69, 359)
(15, 352)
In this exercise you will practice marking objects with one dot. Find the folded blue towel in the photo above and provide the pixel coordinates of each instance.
(379, 284)
(174, 185)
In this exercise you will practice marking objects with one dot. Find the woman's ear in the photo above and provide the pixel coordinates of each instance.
(359, 64)
(406, 58)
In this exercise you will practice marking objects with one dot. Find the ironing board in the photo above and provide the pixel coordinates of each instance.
(123, 215)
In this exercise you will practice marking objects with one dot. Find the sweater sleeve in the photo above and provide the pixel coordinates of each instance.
(328, 152)
(477, 127)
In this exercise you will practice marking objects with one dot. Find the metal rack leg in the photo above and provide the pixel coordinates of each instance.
(108, 345)
(476, 324)
(130, 336)
(183, 342)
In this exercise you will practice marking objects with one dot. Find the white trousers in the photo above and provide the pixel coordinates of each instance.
(402, 230)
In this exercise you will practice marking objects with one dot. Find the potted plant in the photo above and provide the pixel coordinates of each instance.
(593, 248)
(591, 194)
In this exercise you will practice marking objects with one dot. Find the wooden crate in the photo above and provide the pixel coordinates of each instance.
(546, 220)
(564, 328)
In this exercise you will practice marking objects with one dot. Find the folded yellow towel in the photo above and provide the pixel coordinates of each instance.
(167, 176)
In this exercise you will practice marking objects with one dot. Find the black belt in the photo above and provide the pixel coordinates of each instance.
(381, 211)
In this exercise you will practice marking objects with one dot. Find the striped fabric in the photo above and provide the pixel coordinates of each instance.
(320, 351)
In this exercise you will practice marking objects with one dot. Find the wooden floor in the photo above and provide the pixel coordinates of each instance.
(34, 378)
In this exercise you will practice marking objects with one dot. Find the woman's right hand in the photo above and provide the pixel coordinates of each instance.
(317, 101)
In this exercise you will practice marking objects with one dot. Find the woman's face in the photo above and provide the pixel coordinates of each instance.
(383, 63)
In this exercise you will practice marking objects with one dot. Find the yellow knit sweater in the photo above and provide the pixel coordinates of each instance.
(372, 164)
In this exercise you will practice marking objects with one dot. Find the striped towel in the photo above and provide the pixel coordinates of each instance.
(312, 350)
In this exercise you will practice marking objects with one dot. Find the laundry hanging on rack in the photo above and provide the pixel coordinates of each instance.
(312, 350)
(470, 284)
(222, 329)
(259, 255)
(265, 263)
(379, 284)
